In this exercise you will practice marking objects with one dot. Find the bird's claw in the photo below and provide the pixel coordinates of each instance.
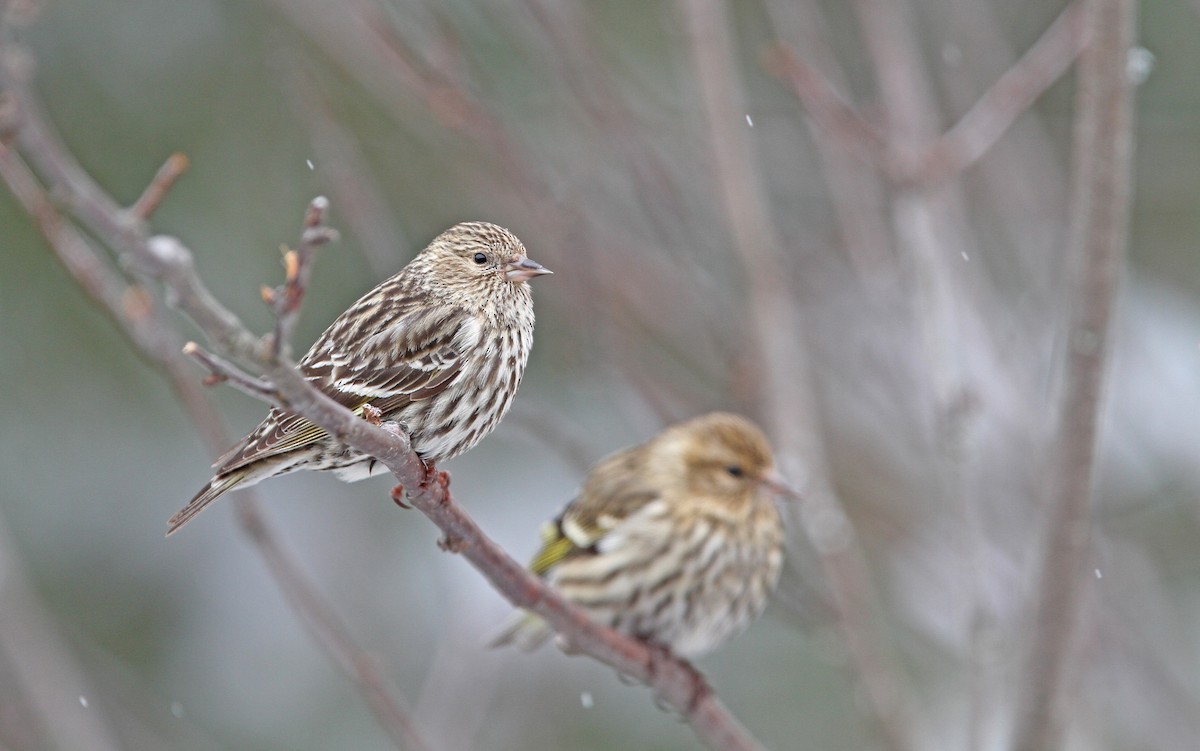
(434, 478)
(372, 414)
(399, 497)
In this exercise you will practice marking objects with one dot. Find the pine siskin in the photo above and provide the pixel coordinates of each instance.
(440, 348)
(677, 541)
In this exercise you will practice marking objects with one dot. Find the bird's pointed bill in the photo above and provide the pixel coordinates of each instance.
(523, 269)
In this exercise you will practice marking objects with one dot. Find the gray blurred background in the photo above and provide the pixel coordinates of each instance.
(580, 126)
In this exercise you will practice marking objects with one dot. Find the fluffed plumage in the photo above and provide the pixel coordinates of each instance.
(676, 541)
(439, 348)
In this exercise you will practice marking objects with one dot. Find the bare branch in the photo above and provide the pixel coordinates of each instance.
(298, 264)
(673, 679)
(969, 139)
(828, 108)
(1101, 185)
(164, 179)
(1020, 86)
(223, 371)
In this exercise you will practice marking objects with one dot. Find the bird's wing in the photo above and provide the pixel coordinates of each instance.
(615, 490)
(415, 357)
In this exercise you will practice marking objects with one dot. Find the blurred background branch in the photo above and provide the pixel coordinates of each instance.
(779, 352)
(1101, 190)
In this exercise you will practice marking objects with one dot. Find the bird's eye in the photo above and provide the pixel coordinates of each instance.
(480, 258)
(735, 470)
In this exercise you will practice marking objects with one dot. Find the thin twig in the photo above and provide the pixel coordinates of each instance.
(1101, 186)
(223, 371)
(298, 263)
(170, 171)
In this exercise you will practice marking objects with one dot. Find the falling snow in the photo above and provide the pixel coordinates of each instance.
(1139, 64)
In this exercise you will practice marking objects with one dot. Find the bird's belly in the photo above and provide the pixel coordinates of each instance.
(460, 417)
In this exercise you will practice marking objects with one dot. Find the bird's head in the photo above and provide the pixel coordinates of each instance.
(480, 257)
(725, 455)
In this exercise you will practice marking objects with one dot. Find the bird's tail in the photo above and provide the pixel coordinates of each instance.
(217, 487)
(526, 631)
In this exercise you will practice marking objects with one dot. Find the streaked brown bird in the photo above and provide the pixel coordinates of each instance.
(439, 348)
(677, 541)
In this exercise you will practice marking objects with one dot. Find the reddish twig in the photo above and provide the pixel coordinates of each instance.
(673, 679)
(298, 263)
(1101, 186)
(170, 171)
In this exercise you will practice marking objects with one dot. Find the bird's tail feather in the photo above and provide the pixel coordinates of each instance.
(217, 487)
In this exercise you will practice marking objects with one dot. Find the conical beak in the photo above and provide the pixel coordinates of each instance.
(780, 487)
(521, 269)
